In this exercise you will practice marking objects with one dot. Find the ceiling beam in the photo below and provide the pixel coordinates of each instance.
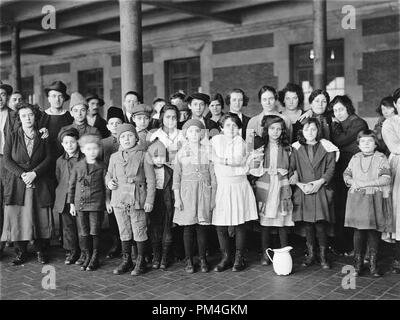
(195, 10)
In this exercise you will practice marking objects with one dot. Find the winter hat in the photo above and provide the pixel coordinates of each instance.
(126, 127)
(77, 98)
(114, 112)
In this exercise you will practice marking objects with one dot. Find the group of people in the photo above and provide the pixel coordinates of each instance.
(182, 170)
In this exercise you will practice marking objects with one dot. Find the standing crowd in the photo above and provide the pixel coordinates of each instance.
(194, 172)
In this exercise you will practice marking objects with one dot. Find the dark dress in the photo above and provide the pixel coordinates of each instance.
(344, 136)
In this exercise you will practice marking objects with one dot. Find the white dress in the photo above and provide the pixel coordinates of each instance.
(235, 202)
(391, 137)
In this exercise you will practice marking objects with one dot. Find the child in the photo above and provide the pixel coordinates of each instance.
(386, 110)
(194, 188)
(141, 118)
(235, 201)
(64, 166)
(115, 117)
(131, 179)
(312, 165)
(368, 207)
(273, 192)
(87, 197)
(158, 104)
(78, 108)
(160, 227)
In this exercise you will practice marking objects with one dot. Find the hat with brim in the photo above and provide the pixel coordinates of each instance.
(77, 99)
(71, 132)
(95, 96)
(142, 109)
(114, 112)
(58, 86)
(7, 88)
(199, 96)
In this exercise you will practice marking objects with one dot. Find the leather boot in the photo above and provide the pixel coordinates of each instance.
(323, 257)
(264, 258)
(115, 250)
(203, 264)
(239, 263)
(140, 266)
(156, 256)
(396, 266)
(86, 262)
(189, 268)
(134, 253)
(358, 264)
(165, 255)
(72, 257)
(20, 257)
(41, 258)
(373, 268)
(226, 261)
(126, 263)
(94, 261)
(310, 259)
(83, 245)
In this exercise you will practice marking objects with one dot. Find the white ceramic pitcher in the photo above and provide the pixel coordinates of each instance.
(282, 261)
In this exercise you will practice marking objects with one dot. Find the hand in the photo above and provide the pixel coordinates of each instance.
(178, 204)
(335, 120)
(72, 210)
(112, 184)
(294, 178)
(44, 132)
(305, 115)
(148, 207)
(28, 177)
(314, 186)
(109, 208)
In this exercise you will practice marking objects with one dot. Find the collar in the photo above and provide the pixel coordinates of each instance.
(50, 113)
(77, 155)
(367, 155)
(171, 135)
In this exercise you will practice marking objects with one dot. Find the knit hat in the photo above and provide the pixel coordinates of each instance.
(114, 112)
(71, 132)
(142, 109)
(126, 127)
(192, 122)
(200, 96)
(77, 98)
(157, 149)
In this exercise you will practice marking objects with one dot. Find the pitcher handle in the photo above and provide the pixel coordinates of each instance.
(266, 251)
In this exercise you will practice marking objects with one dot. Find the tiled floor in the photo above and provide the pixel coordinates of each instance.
(255, 283)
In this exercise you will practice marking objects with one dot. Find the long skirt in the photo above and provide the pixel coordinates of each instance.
(27, 222)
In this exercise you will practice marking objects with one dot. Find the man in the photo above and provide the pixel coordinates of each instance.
(15, 98)
(7, 119)
(131, 99)
(197, 102)
(93, 117)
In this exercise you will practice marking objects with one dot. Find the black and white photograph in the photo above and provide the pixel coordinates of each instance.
(205, 152)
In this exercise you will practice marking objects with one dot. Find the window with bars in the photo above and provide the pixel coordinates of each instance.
(301, 60)
(182, 75)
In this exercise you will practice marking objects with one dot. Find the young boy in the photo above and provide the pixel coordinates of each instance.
(78, 109)
(64, 166)
(131, 179)
(141, 118)
(160, 228)
(87, 197)
(178, 100)
(115, 117)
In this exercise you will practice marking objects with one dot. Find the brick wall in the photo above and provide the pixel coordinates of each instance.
(379, 76)
(250, 78)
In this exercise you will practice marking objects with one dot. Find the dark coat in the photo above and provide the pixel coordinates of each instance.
(101, 125)
(17, 161)
(319, 205)
(87, 189)
(12, 123)
(64, 166)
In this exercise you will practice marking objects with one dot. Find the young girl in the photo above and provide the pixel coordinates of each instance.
(194, 187)
(312, 165)
(273, 192)
(368, 207)
(235, 202)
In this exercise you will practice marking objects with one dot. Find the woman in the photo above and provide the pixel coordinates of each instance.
(27, 196)
(268, 97)
(235, 203)
(386, 110)
(345, 127)
(236, 100)
(292, 99)
(391, 137)
(216, 106)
